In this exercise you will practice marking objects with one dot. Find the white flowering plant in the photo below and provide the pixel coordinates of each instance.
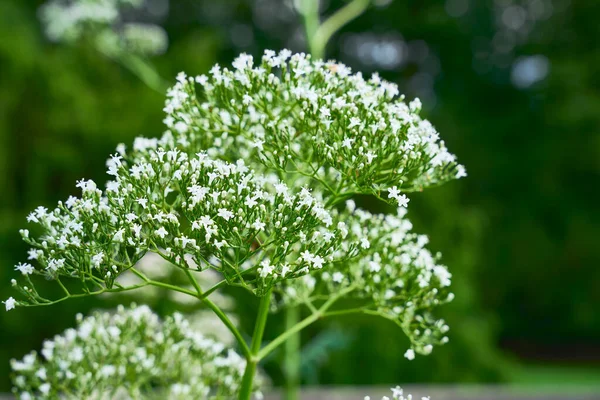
(254, 179)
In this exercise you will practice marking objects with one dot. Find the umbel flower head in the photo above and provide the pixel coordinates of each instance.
(394, 276)
(247, 181)
(315, 119)
(219, 215)
(130, 354)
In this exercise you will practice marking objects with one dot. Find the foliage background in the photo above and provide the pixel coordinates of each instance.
(519, 234)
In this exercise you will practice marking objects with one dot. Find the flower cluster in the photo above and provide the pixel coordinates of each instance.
(253, 230)
(129, 354)
(395, 275)
(313, 119)
(102, 22)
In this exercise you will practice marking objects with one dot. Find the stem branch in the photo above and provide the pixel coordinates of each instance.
(334, 23)
(252, 359)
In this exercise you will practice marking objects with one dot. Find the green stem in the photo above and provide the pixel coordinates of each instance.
(301, 325)
(252, 360)
(287, 334)
(292, 354)
(223, 317)
(334, 23)
(172, 287)
(310, 14)
(220, 314)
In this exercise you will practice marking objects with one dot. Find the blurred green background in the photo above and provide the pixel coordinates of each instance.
(513, 87)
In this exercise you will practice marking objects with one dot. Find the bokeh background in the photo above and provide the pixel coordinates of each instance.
(513, 87)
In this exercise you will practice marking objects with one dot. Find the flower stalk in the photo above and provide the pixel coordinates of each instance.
(253, 359)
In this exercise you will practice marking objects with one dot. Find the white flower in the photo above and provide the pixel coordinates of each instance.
(118, 236)
(397, 391)
(25, 268)
(55, 264)
(394, 193)
(281, 188)
(415, 105)
(259, 226)
(317, 262)
(161, 232)
(258, 144)
(410, 354)
(337, 277)
(225, 214)
(250, 202)
(142, 202)
(354, 121)
(9, 303)
(307, 256)
(265, 269)
(403, 201)
(45, 388)
(181, 127)
(285, 269)
(370, 157)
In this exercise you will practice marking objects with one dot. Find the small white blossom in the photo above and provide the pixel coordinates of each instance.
(161, 232)
(25, 268)
(109, 338)
(259, 226)
(394, 193)
(225, 214)
(9, 303)
(265, 269)
(337, 277)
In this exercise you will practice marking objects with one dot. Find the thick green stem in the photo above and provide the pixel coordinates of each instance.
(220, 314)
(223, 317)
(334, 23)
(292, 355)
(310, 14)
(302, 324)
(252, 360)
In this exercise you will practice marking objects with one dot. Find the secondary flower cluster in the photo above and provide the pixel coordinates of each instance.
(395, 275)
(133, 354)
(102, 22)
(315, 119)
(184, 208)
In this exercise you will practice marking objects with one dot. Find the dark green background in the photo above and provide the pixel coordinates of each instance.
(519, 234)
